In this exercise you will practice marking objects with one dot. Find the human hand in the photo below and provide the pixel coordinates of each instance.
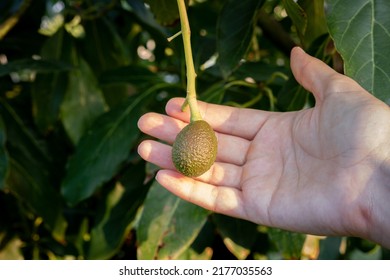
(319, 170)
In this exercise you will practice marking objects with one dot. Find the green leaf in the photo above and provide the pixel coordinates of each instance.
(11, 250)
(102, 149)
(292, 96)
(29, 173)
(260, 72)
(33, 65)
(298, 17)
(235, 31)
(3, 155)
(49, 89)
(374, 254)
(118, 212)
(168, 225)
(22, 142)
(289, 243)
(316, 20)
(330, 248)
(238, 235)
(165, 11)
(133, 74)
(83, 101)
(104, 50)
(144, 15)
(34, 189)
(361, 33)
(214, 94)
(202, 247)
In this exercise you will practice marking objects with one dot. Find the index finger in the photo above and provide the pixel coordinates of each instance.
(239, 122)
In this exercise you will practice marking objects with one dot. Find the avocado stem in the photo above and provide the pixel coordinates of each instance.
(191, 74)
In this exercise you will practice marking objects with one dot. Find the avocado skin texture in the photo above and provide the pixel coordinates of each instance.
(195, 149)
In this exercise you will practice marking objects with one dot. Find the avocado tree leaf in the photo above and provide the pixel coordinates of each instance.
(289, 243)
(83, 101)
(104, 50)
(33, 65)
(202, 247)
(116, 213)
(361, 33)
(102, 149)
(168, 225)
(102, 46)
(165, 11)
(145, 15)
(297, 15)
(133, 74)
(12, 249)
(330, 248)
(316, 20)
(29, 174)
(214, 93)
(292, 96)
(36, 191)
(234, 32)
(373, 254)
(260, 71)
(49, 89)
(309, 19)
(238, 235)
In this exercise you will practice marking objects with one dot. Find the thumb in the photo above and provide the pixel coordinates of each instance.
(313, 74)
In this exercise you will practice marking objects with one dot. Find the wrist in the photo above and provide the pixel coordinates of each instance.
(375, 201)
(381, 205)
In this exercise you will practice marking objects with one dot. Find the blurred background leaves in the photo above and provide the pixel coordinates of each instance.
(75, 76)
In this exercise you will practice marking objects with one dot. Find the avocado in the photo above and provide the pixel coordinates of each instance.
(195, 149)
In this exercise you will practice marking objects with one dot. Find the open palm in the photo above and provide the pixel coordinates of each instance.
(311, 171)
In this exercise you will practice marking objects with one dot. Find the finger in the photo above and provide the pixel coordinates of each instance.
(231, 149)
(222, 200)
(156, 153)
(160, 126)
(312, 73)
(219, 174)
(240, 122)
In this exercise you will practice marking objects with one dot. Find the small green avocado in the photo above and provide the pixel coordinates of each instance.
(195, 149)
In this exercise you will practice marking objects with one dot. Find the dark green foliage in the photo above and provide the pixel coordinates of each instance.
(235, 32)
(366, 53)
(71, 182)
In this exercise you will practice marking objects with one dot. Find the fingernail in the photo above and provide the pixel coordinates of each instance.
(300, 49)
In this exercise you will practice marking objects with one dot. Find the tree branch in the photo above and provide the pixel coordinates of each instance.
(274, 31)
